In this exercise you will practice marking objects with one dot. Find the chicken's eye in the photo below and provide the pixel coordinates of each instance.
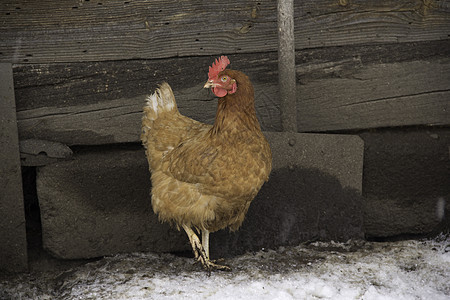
(224, 78)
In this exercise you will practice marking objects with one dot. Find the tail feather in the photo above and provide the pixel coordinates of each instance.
(162, 100)
(163, 127)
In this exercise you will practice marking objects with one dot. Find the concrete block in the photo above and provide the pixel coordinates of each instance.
(406, 182)
(99, 204)
(314, 193)
(40, 153)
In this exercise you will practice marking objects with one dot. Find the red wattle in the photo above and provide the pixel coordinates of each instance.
(219, 92)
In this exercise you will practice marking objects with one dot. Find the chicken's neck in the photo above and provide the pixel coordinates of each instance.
(236, 114)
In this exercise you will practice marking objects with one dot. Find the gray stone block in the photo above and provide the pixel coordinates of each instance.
(40, 153)
(313, 193)
(406, 182)
(99, 204)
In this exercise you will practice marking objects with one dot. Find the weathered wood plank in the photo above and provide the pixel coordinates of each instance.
(338, 89)
(398, 96)
(13, 245)
(118, 121)
(286, 65)
(383, 95)
(73, 31)
(93, 82)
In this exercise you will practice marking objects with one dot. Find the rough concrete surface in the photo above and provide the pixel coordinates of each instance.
(313, 193)
(406, 181)
(99, 202)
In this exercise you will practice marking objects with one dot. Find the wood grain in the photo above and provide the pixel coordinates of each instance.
(338, 89)
(13, 248)
(75, 31)
(383, 95)
(324, 105)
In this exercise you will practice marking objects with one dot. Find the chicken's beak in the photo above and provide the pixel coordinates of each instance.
(209, 84)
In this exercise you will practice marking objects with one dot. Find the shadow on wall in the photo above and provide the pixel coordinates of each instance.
(295, 205)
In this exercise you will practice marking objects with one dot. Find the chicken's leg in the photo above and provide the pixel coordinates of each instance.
(205, 241)
(195, 243)
(199, 251)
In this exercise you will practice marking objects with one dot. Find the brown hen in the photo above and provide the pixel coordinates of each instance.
(205, 176)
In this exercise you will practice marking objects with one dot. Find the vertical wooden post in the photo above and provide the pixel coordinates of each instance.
(286, 65)
(13, 241)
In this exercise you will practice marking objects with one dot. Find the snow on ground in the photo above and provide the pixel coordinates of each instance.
(352, 270)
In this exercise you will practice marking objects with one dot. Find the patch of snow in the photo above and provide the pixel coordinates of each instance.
(352, 270)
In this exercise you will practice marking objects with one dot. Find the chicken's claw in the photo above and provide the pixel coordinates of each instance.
(200, 253)
(211, 265)
(208, 264)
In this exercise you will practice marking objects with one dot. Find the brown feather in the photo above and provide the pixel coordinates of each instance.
(206, 176)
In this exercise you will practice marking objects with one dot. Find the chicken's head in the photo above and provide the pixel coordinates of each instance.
(221, 83)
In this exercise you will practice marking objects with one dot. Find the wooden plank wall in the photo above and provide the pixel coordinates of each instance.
(13, 245)
(339, 89)
(73, 30)
(83, 68)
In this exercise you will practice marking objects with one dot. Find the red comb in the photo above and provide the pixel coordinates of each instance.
(217, 67)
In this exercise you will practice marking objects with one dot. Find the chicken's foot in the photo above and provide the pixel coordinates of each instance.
(200, 254)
